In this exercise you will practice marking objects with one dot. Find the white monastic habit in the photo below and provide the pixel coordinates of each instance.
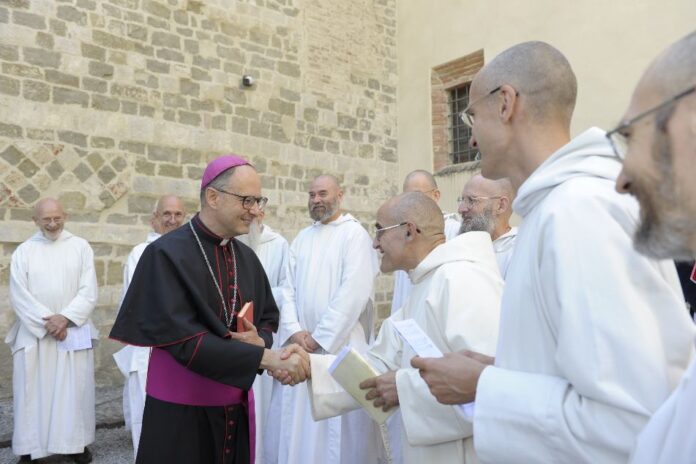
(455, 299)
(329, 292)
(593, 336)
(53, 389)
(670, 436)
(272, 250)
(402, 285)
(503, 247)
(131, 360)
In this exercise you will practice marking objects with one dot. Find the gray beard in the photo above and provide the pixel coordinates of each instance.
(481, 223)
(663, 233)
(254, 235)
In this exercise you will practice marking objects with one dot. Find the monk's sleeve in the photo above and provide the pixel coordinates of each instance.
(81, 306)
(327, 397)
(27, 308)
(221, 359)
(465, 310)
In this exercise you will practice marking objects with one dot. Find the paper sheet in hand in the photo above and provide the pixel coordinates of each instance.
(424, 347)
(349, 369)
(79, 338)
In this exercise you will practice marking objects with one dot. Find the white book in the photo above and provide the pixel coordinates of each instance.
(349, 369)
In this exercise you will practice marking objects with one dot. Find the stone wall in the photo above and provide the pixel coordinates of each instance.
(109, 104)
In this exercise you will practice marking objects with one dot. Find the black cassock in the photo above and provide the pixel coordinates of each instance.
(172, 304)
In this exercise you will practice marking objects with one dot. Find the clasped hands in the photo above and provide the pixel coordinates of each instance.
(289, 366)
(56, 326)
(305, 340)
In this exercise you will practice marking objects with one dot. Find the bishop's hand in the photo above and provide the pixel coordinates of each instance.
(289, 366)
(250, 335)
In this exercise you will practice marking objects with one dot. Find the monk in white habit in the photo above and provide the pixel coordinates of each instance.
(168, 215)
(327, 304)
(486, 205)
(455, 299)
(53, 291)
(424, 182)
(593, 336)
(656, 138)
(272, 250)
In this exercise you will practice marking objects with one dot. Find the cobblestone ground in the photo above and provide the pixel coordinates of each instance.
(111, 446)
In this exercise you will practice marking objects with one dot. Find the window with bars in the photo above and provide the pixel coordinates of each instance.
(459, 133)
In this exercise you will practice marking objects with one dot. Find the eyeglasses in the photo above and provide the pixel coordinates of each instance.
(380, 230)
(468, 118)
(469, 201)
(618, 137)
(248, 201)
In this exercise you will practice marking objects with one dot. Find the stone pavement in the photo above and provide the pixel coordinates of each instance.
(112, 444)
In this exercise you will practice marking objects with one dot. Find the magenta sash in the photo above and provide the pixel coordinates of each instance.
(169, 381)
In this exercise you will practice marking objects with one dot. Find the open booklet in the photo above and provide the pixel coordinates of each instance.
(349, 369)
(424, 347)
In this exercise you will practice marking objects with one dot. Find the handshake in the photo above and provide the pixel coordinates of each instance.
(289, 366)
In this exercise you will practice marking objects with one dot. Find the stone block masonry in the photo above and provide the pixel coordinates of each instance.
(109, 104)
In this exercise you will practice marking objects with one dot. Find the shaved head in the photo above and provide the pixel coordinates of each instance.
(419, 179)
(673, 70)
(540, 73)
(417, 208)
(168, 215)
(485, 206)
(658, 166)
(489, 187)
(47, 204)
(168, 200)
(412, 226)
(325, 197)
(49, 217)
(422, 181)
(327, 178)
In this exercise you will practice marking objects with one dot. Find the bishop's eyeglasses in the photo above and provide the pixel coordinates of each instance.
(248, 201)
(618, 137)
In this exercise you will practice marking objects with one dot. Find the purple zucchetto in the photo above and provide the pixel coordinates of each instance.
(220, 165)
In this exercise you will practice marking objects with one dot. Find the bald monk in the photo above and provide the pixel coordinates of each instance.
(169, 213)
(593, 336)
(486, 205)
(53, 291)
(656, 140)
(424, 182)
(455, 300)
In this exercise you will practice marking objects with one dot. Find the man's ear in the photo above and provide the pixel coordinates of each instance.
(504, 205)
(211, 197)
(509, 102)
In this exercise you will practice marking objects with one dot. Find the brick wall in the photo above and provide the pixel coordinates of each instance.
(109, 104)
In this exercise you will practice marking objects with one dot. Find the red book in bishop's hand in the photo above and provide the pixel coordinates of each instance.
(247, 312)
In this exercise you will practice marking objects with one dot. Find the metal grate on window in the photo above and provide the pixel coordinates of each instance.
(459, 132)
